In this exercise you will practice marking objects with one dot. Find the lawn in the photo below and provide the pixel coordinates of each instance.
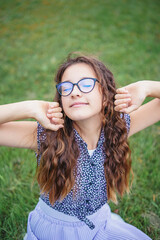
(35, 37)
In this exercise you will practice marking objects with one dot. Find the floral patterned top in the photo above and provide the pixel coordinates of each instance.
(91, 182)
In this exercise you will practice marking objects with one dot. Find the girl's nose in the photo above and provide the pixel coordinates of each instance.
(76, 91)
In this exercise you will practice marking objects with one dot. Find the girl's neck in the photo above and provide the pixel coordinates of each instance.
(89, 132)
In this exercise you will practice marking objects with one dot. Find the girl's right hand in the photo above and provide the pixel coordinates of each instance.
(49, 115)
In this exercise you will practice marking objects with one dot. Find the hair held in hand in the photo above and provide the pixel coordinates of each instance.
(56, 173)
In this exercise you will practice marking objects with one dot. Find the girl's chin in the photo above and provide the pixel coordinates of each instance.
(78, 117)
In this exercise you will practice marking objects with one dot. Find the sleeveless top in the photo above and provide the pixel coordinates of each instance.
(91, 192)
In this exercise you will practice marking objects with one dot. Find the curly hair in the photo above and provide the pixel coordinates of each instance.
(56, 173)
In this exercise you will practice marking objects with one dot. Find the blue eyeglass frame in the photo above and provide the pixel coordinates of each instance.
(73, 84)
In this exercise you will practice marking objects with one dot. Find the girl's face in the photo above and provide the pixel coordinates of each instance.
(80, 106)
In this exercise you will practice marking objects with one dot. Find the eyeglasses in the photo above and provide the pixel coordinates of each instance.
(85, 85)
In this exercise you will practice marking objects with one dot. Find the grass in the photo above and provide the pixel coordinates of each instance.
(35, 37)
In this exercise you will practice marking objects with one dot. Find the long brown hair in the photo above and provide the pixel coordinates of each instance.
(59, 152)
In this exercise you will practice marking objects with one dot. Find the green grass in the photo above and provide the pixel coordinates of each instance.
(35, 37)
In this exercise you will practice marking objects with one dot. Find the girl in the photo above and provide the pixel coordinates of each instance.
(82, 150)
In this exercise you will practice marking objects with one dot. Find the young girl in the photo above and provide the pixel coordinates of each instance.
(82, 150)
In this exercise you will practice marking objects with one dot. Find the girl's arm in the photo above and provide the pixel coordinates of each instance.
(144, 116)
(129, 99)
(23, 134)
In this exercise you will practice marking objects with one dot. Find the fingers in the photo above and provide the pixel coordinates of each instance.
(122, 90)
(122, 103)
(56, 117)
(129, 109)
(54, 124)
(53, 104)
(122, 95)
(120, 108)
(57, 121)
(123, 100)
(54, 109)
(54, 113)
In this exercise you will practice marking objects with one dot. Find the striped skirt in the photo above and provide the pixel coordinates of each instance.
(45, 223)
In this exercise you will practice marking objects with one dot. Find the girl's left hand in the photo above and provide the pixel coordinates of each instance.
(130, 97)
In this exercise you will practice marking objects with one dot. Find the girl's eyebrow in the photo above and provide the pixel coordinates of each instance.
(78, 80)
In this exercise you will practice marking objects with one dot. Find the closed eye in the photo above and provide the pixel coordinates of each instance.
(66, 89)
(85, 85)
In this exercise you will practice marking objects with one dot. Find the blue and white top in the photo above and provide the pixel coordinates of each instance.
(91, 192)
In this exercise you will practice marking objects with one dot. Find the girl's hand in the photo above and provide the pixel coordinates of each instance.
(49, 115)
(130, 97)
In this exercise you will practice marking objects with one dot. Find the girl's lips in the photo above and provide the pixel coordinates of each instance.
(78, 104)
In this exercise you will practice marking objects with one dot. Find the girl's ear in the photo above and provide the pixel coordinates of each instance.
(104, 103)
